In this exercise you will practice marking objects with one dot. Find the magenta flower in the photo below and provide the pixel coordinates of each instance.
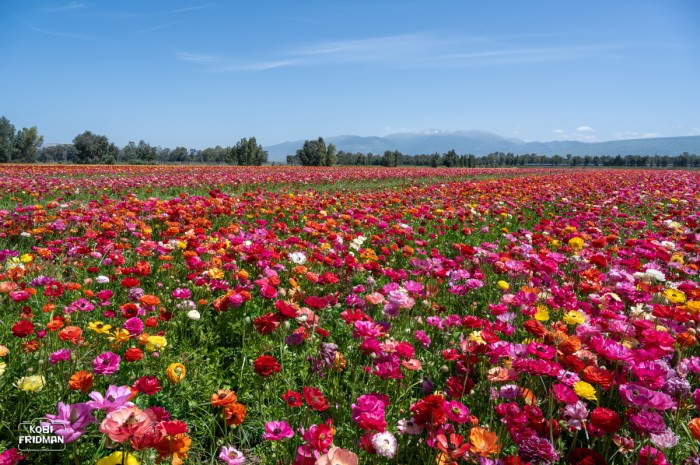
(182, 293)
(369, 412)
(61, 355)
(71, 421)
(134, 325)
(646, 422)
(277, 431)
(456, 411)
(107, 363)
(642, 397)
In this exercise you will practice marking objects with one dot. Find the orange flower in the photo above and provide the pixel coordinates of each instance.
(484, 442)
(30, 346)
(686, 339)
(71, 333)
(54, 325)
(223, 398)
(175, 447)
(48, 308)
(149, 299)
(694, 426)
(571, 345)
(81, 381)
(234, 413)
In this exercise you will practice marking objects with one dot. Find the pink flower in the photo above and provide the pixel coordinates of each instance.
(456, 411)
(277, 431)
(124, 423)
(337, 456)
(231, 456)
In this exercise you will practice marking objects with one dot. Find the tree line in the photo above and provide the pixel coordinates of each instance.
(26, 146)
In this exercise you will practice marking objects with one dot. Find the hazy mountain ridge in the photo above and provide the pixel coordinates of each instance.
(482, 143)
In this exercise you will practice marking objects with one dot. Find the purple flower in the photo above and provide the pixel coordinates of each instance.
(642, 397)
(106, 363)
(277, 431)
(114, 398)
(61, 355)
(537, 450)
(71, 421)
(134, 325)
(647, 422)
(574, 414)
(664, 440)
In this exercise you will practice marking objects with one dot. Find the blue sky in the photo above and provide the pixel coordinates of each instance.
(205, 73)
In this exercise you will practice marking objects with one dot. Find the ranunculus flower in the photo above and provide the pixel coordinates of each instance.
(277, 431)
(124, 423)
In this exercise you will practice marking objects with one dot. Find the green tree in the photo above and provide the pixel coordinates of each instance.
(7, 140)
(93, 148)
(27, 144)
(315, 153)
(247, 152)
(451, 159)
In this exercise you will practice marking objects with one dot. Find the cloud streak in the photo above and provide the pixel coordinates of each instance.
(419, 50)
(61, 34)
(68, 7)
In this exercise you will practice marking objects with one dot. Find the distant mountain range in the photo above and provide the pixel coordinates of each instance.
(482, 143)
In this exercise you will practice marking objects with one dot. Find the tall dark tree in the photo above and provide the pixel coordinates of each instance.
(315, 153)
(7, 140)
(93, 148)
(247, 152)
(27, 144)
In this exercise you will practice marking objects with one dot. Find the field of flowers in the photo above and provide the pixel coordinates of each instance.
(350, 316)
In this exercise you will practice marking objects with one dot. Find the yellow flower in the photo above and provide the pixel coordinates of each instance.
(555, 244)
(584, 390)
(181, 245)
(574, 318)
(3, 365)
(32, 383)
(154, 343)
(116, 458)
(693, 306)
(675, 296)
(99, 327)
(26, 258)
(576, 243)
(175, 372)
(216, 273)
(502, 285)
(476, 337)
(542, 313)
(120, 336)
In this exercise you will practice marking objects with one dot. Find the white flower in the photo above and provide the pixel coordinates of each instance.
(357, 242)
(656, 274)
(385, 444)
(193, 315)
(102, 279)
(297, 257)
(25, 234)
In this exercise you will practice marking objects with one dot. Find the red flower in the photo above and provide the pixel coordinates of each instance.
(133, 354)
(603, 420)
(583, 456)
(23, 328)
(292, 398)
(130, 282)
(267, 323)
(265, 365)
(286, 309)
(173, 427)
(151, 322)
(315, 302)
(314, 399)
(149, 385)
(429, 412)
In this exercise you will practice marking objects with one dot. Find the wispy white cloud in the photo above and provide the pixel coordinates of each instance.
(185, 10)
(198, 58)
(61, 34)
(68, 7)
(585, 129)
(417, 50)
(159, 26)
